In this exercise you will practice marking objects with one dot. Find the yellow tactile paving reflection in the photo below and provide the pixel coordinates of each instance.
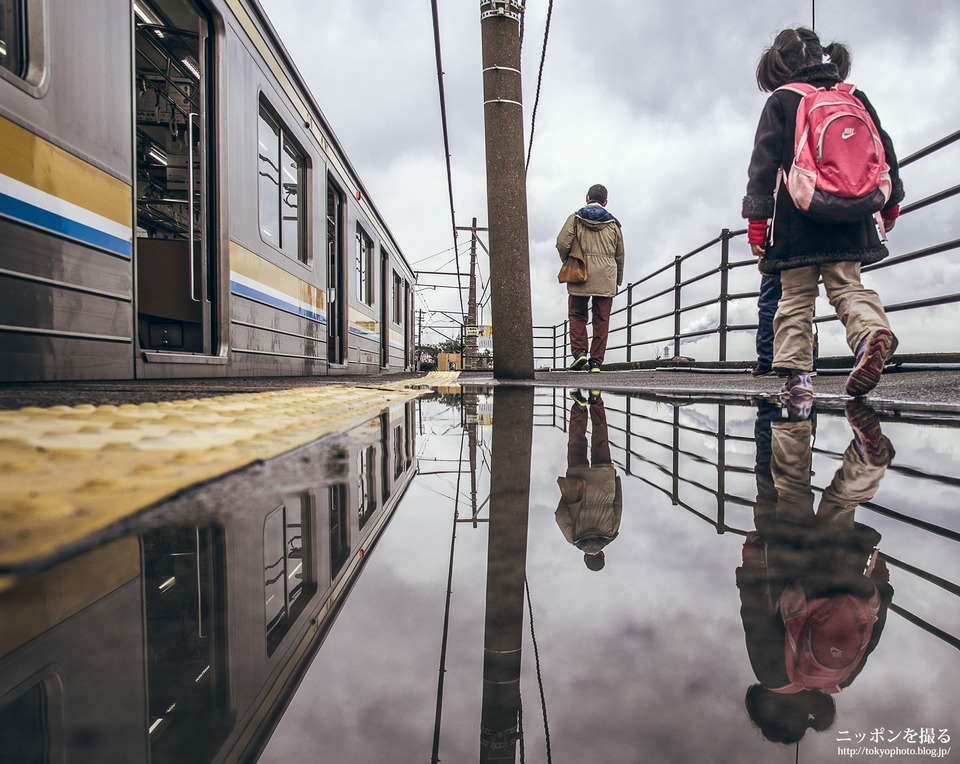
(69, 471)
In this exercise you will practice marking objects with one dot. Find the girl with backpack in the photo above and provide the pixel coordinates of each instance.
(783, 231)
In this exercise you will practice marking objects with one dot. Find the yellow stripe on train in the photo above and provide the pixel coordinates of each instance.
(35, 162)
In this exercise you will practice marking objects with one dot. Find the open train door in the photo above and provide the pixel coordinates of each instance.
(176, 240)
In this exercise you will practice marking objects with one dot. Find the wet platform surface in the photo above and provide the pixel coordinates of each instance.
(427, 585)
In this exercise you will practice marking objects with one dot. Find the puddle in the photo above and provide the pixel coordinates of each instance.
(512, 575)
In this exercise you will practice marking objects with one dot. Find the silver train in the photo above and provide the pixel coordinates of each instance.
(173, 203)
(182, 637)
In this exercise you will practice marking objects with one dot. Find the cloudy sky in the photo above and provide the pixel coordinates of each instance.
(657, 100)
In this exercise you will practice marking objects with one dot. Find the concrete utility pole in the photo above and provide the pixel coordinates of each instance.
(506, 573)
(506, 190)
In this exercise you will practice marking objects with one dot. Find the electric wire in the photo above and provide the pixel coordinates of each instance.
(536, 656)
(536, 100)
(446, 137)
(446, 615)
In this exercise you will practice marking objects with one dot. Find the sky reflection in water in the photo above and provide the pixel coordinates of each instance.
(646, 658)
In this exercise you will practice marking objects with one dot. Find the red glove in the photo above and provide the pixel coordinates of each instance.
(757, 232)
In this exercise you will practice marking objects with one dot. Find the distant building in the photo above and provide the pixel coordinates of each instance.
(449, 362)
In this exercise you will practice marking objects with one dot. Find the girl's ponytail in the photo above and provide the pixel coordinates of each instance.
(839, 54)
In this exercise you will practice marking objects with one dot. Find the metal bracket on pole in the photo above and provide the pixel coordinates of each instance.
(509, 8)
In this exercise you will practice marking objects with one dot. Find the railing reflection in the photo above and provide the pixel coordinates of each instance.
(702, 461)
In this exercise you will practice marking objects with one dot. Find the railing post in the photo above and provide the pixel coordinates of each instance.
(626, 456)
(724, 268)
(553, 346)
(721, 468)
(566, 340)
(629, 323)
(676, 306)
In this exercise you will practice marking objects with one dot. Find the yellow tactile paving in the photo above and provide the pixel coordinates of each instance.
(68, 471)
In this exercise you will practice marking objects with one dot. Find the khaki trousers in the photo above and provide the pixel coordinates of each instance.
(854, 483)
(858, 308)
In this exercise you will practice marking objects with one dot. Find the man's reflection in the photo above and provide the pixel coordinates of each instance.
(591, 500)
(814, 591)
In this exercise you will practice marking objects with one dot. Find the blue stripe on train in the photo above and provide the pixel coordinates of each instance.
(276, 302)
(49, 221)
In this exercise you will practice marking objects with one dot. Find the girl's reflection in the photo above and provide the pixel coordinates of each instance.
(591, 500)
(814, 592)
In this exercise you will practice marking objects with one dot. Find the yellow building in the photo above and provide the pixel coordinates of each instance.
(449, 362)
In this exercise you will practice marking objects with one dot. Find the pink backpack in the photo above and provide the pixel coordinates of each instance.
(826, 637)
(840, 173)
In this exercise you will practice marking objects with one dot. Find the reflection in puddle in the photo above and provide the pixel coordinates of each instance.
(588, 577)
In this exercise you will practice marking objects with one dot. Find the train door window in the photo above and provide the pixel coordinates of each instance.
(184, 594)
(175, 224)
(336, 335)
(339, 529)
(364, 267)
(288, 577)
(281, 180)
(366, 484)
(384, 309)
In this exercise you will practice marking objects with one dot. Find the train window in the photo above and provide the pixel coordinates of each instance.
(399, 463)
(282, 181)
(288, 578)
(23, 44)
(185, 650)
(339, 528)
(13, 37)
(366, 475)
(364, 267)
(397, 299)
(23, 726)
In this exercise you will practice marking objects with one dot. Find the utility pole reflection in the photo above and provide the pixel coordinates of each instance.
(506, 571)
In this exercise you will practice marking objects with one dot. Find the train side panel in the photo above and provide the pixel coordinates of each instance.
(110, 164)
(66, 199)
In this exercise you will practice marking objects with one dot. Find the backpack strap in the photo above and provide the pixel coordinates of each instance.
(845, 87)
(800, 88)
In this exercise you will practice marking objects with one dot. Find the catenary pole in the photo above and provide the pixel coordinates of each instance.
(506, 190)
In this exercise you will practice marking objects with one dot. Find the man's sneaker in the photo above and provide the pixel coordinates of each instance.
(595, 396)
(594, 365)
(872, 445)
(761, 371)
(579, 363)
(579, 400)
(872, 355)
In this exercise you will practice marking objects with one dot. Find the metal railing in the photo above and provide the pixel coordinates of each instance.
(677, 471)
(551, 342)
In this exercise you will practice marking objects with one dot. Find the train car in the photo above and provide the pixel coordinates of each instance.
(173, 203)
(183, 637)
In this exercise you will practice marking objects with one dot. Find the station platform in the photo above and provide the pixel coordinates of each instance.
(72, 469)
(76, 458)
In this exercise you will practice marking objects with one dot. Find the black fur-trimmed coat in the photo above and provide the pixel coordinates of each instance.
(795, 240)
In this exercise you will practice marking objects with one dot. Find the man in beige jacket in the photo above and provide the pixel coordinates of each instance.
(602, 243)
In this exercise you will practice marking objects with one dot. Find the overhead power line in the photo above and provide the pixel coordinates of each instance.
(446, 140)
(536, 100)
